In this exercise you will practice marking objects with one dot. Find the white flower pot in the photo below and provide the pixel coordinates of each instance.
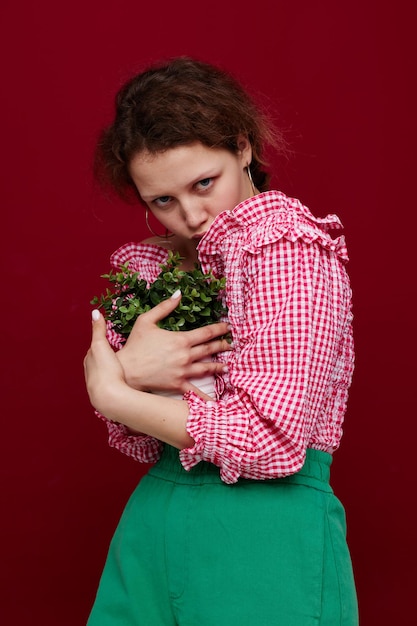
(205, 384)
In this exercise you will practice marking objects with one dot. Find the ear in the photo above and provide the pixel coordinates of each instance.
(244, 150)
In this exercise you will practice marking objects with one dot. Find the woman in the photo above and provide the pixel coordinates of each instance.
(236, 521)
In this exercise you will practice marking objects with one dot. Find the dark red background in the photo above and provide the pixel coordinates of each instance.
(340, 76)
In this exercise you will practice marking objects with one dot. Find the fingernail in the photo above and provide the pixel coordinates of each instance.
(176, 294)
(95, 315)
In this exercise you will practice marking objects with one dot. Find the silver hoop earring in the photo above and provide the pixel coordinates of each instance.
(166, 236)
(251, 180)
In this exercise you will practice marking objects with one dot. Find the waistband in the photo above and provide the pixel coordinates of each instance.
(314, 473)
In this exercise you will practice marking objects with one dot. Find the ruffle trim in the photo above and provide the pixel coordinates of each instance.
(142, 257)
(209, 446)
(271, 216)
(142, 448)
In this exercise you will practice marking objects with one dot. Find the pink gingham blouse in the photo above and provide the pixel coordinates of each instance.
(289, 302)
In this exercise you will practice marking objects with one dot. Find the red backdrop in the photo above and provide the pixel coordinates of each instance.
(340, 76)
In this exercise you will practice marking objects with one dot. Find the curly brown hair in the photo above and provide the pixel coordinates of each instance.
(177, 103)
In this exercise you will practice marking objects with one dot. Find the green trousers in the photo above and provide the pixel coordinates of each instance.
(192, 551)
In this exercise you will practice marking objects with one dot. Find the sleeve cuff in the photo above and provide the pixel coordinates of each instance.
(211, 436)
(141, 448)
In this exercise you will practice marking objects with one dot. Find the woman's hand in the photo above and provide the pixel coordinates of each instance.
(140, 412)
(103, 371)
(155, 359)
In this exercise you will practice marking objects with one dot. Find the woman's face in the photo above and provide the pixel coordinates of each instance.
(188, 186)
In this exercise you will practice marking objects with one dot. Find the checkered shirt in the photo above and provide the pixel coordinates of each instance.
(289, 302)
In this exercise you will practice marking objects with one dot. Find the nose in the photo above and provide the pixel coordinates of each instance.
(194, 213)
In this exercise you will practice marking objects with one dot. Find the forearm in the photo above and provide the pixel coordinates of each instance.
(157, 416)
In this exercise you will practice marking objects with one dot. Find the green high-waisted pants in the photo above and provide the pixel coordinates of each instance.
(192, 551)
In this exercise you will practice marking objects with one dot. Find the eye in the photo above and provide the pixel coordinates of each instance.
(204, 183)
(162, 201)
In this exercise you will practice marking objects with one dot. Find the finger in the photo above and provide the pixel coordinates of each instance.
(207, 333)
(199, 369)
(100, 354)
(161, 310)
(98, 325)
(210, 348)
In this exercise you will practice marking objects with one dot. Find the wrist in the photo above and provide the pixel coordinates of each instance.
(106, 398)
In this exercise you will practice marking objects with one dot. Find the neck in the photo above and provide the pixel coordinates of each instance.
(186, 249)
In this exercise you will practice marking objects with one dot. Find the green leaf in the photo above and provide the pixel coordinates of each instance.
(131, 296)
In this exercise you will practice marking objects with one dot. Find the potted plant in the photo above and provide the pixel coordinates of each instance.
(130, 296)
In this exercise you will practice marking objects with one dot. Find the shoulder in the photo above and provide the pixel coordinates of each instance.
(143, 257)
(271, 217)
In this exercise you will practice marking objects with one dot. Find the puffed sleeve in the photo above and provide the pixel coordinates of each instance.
(143, 258)
(289, 305)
